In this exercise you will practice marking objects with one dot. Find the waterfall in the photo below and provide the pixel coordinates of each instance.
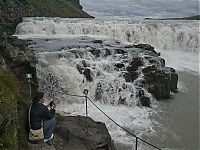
(66, 51)
(164, 35)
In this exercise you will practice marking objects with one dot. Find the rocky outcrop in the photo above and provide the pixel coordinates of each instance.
(12, 12)
(146, 68)
(18, 59)
(77, 132)
(159, 80)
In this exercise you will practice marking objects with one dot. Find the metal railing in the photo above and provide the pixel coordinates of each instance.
(86, 109)
(136, 138)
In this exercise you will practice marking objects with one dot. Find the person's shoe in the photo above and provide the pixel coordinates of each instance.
(45, 140)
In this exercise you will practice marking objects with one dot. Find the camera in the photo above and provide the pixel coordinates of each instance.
(52, 103)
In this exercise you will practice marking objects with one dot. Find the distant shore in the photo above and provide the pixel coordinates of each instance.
(184, 18)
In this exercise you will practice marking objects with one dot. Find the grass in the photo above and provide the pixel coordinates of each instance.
(8, 111)
(13, 108)
(60, 8)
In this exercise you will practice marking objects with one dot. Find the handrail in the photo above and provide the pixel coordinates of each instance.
(136, 145)
(117, 123)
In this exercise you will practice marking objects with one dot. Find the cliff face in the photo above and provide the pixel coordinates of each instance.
(16, 59)
(11, 12)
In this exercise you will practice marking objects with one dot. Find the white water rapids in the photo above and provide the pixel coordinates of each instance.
(58, 38)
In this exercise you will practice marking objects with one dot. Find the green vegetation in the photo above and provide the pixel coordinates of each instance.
(22, 110)
(59, 8)
(13, 110)
(8, 111)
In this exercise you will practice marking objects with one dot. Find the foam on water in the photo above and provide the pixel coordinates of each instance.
(165, 35)
(62, 78)
(181, 61)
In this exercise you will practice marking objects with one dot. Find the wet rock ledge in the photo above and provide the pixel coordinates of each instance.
(77, 133)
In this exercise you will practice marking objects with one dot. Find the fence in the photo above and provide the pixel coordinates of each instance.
(86, 108)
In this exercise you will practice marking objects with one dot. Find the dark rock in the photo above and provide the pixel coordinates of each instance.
(84, 64)
(2, 63)
(98, 41)
(157, 90)
(135, 64)
(166, 83)
(18, 62)
(1, 120)
(127, 76)
(120, 51)
(148, 48)
(158, 61)
(161, 82)
(119, 65)
(103, 52)
(95, 52)
(144, 46)
(130, 76)
(107, 52)
(77, 132)
(145, 101)
(79, 68)
(87, 74)
(122, 101)
(148, 69)
(169, 69)
(174, 82)
(98, 92)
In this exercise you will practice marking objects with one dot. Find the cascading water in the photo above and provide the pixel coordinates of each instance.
(60, 72)
(64, 47)
(164, 35)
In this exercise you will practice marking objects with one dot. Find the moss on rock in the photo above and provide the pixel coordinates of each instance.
(8, 111)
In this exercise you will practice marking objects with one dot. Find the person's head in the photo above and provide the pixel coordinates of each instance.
(39, 97)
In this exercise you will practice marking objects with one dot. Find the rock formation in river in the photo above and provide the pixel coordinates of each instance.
(159, 80)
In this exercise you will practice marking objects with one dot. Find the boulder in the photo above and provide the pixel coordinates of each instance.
(87, 74)
(174, 82)
(135, 64)
(130, 76)
(145, 101)
(78, 132)
(98, 41)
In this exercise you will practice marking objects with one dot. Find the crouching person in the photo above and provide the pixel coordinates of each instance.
(39, 113)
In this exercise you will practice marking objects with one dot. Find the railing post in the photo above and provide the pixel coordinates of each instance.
(136, 143)
(29, 80)
(86, 93)
(29, 76)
